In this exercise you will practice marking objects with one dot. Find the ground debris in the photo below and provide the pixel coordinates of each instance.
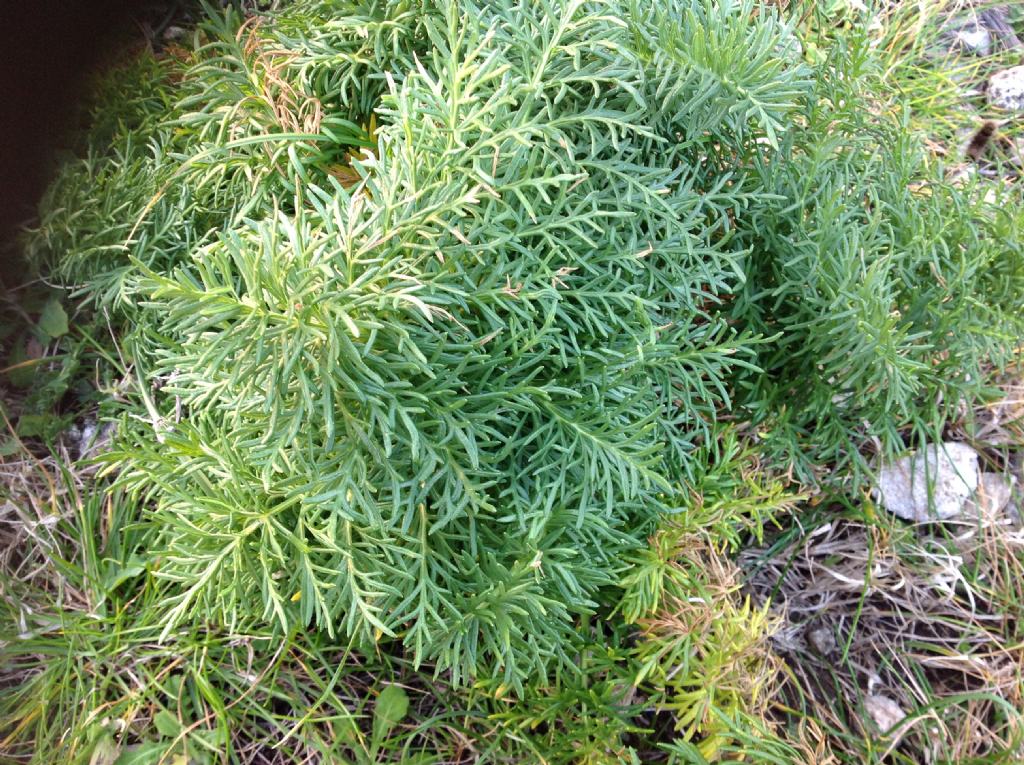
(931, 484)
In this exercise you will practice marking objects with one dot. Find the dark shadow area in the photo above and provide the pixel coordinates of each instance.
(51, 47)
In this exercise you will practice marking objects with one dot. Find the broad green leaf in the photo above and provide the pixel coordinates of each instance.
(167, 724)
(53, 321)
(391, 708)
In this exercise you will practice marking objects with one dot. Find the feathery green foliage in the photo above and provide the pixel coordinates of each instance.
(440, 405)
(448, 331)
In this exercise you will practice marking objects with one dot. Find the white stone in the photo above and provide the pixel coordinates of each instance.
(993, 495)
(1006, 89)
(886, 713)
(975, 39)
(173, 33)
(822, 640)
(931, 484)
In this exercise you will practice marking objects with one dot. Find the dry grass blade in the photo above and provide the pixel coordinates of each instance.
(908, 638)
(293, 111)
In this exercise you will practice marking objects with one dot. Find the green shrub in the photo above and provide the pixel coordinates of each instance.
(441, 405)
(438, 399)
(888, 290)
(435, 311)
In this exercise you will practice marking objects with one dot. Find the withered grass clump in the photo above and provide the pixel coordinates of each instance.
(924, 621)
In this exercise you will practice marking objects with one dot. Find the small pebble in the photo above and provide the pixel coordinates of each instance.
(1006, 89)
(173, 33)
(822, 640)
(975, 40)
(932, 484)
(994, 492)
(884, 711)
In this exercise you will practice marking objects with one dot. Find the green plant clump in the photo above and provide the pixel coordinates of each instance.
(438, 403)
(432, 313)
